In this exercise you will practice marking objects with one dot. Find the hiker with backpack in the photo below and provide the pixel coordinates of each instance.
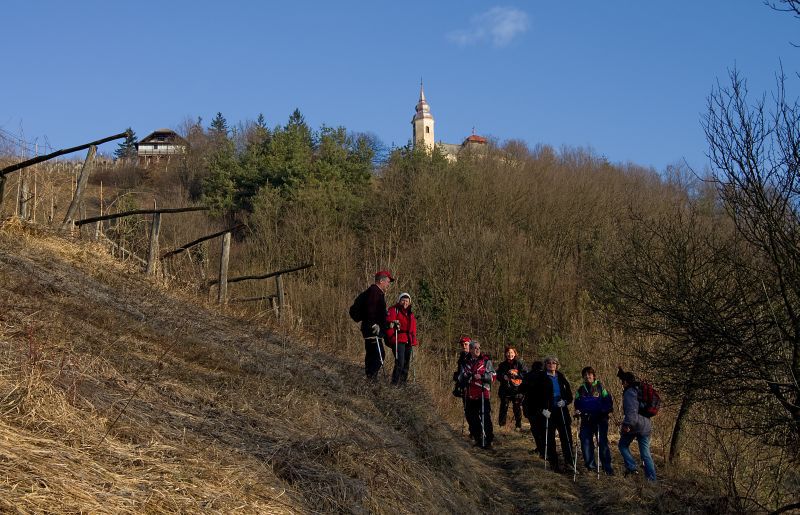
(476, 376)
(593, 404)
(510, 372)
(529, 383)
(369, 308)
(402, 336)
(552, 395)
(636, 425)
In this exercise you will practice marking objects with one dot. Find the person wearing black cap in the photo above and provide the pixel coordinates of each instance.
(634, 426)
(373, 322)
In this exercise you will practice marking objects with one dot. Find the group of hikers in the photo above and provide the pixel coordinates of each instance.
(541, 393)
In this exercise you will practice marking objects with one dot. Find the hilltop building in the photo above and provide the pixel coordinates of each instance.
(423, 136)
(160, 144)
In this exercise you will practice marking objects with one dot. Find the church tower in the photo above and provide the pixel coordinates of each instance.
(422, 123)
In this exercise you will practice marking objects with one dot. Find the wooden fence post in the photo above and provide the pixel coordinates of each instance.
(2, 190)
(23, 196)
(222, 293)
(152, 253)
(85, 171)
(281, 298)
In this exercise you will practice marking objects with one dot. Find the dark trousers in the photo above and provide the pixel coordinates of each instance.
(537, 430)
(516, 407)
(560, 422)
(402, 359)
(589, 430)
(374, 355)
(480, 427)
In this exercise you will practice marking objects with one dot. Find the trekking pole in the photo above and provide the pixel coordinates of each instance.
(463, 407)
(411, 365)
(380, 354)
(546, 439)
(574, 458)
(598, 450)
(483, 428)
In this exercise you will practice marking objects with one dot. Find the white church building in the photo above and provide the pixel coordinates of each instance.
(423, 136)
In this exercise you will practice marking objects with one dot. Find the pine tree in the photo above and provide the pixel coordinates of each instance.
(127, 148)
(219, 126)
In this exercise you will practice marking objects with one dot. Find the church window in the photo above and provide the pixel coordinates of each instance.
(427, 130)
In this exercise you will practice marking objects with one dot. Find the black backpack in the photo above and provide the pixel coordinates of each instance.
(357, 309)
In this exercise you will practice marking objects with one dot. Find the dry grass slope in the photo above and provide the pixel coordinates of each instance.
(122, 396)
(119, 395)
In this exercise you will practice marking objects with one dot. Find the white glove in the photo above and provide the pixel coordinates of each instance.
(546, 413)
(376, 329)
(561, 403)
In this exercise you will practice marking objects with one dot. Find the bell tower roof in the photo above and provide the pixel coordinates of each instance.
(423, 110)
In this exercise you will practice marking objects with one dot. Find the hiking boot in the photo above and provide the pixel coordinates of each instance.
(609, 472)
(630, 473)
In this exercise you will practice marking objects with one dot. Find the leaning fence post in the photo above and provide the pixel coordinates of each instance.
(152, 254)
(85, 171)
(281, 298)
(222, 290)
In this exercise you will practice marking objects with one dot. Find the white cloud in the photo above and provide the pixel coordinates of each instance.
(498, 25)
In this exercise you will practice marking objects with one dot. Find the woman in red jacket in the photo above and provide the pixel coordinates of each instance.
(402, 336)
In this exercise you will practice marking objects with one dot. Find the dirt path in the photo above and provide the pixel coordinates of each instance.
(532, 489)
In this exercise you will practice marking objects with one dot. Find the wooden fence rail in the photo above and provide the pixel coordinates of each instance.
(265, 276)
(139, 212)
(191, 244)
(46, 157)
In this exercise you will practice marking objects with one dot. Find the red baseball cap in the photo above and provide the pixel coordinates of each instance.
(384, 273)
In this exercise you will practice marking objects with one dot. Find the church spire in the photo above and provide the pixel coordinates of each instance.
(422, 122)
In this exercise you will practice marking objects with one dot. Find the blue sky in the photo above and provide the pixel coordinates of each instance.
(628, 79)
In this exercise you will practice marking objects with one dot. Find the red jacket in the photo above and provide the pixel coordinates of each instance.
(477, 374)
(408, 325)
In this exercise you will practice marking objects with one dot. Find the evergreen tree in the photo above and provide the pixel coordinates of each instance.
(219, 127)
(219, 188)
(127, 147)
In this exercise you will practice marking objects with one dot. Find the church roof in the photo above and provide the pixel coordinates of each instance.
(423, 110)
(474, 138)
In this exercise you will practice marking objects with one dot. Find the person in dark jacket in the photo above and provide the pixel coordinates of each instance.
(477, 375)
(529, 383)
(552, 395)
(510, 372)
(402, 336)
(634, 426)
(373, 325)
(593, 404)
(463, 342)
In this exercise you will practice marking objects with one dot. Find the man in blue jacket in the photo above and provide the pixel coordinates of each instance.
(634, 426)
(593, 404)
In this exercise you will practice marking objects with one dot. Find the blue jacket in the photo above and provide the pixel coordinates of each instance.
(593, 400)
(630, 406)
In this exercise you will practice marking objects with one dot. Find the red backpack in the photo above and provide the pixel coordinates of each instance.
(649, 400)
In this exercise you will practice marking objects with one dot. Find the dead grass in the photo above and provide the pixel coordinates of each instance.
(123, 396)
